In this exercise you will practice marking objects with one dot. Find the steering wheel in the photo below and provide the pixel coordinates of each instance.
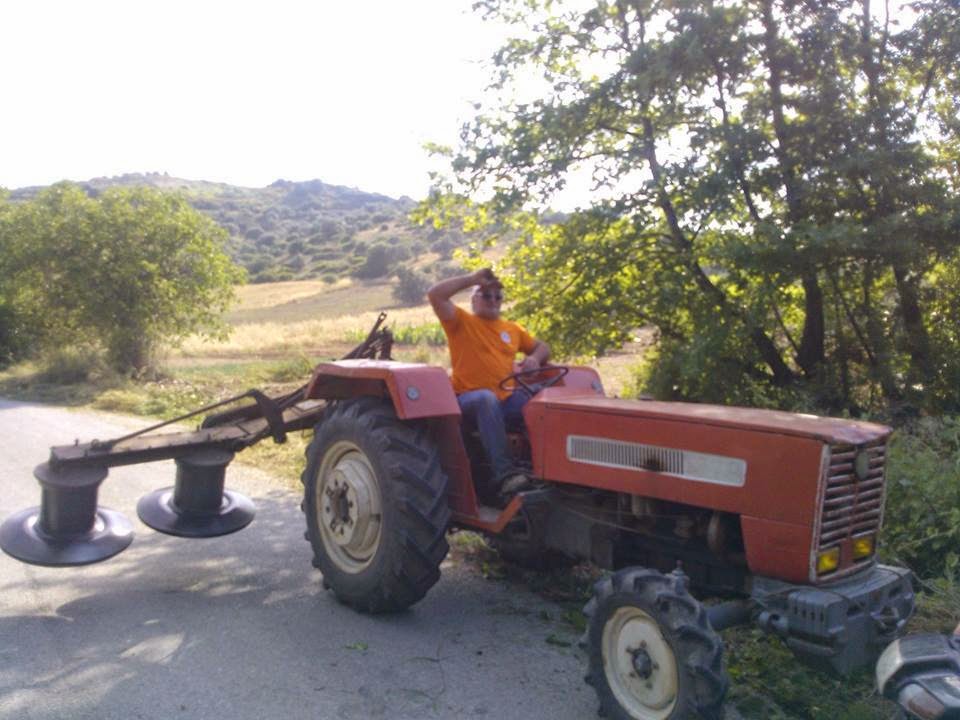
(558, 372)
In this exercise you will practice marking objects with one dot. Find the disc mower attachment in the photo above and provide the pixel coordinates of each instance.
(197, 505)
(68, 528)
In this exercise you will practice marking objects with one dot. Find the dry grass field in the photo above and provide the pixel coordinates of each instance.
(318, 321)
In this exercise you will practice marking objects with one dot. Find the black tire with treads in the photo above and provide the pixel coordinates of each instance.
(401, 464)
(678, 624)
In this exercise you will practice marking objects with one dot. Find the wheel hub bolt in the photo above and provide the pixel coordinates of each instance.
(642, 663)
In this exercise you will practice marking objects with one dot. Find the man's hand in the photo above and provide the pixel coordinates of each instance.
(483, 277)
(529, 363)
(537, 357)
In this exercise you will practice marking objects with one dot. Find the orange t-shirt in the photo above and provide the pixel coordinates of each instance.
(482, 351)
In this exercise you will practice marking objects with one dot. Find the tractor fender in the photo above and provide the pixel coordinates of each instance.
(416, 390)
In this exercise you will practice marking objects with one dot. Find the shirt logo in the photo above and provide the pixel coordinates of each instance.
(505, 336)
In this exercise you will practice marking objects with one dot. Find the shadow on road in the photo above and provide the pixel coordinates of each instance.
(240, 625)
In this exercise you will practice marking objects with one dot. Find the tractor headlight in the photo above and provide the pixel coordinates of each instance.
(828, 561)
(863, 547)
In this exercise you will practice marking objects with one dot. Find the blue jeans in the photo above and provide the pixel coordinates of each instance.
(492, 418)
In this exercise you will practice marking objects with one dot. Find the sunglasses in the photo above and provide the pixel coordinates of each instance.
(495, 296)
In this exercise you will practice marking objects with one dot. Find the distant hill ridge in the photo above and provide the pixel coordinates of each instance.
(297, 230)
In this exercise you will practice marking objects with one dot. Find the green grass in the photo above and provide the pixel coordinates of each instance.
(430, 334)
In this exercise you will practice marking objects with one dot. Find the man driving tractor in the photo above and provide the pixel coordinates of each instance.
(483, 348)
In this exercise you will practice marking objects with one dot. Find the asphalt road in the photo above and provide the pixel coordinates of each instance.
(239, 626)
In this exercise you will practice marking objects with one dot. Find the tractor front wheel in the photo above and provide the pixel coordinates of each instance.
(652, 652)
(375, 497)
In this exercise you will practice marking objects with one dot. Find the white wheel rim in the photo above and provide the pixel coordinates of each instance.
(639, 664)
(348, 507)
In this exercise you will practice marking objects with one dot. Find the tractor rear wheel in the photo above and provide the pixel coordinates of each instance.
(652, 652)
(375, 498)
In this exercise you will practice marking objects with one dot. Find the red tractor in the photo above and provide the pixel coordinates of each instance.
(776, 514)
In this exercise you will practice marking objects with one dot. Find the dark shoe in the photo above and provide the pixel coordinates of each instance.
(514, 484)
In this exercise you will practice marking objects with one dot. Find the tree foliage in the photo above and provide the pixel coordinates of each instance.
(411, 287)
(776, 188)
(922, 511)
(127, 269)
(376, 264)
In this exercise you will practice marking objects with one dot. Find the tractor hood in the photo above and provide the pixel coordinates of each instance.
(771, 469)
(829, 430)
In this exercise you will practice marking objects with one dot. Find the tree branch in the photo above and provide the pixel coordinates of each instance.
(783, 326)
(853, 320)
(737, 158)
(765, 346)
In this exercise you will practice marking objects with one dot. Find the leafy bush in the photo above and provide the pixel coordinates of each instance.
(711, 367)
(70, 365)
(376, 264)
(922, 516)
(293, 370)
(411, 287)
(295, 263)
(133, 267)
(272, 275)
(443, 247)
(14, 335)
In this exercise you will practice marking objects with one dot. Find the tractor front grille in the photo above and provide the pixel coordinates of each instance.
(852, 505)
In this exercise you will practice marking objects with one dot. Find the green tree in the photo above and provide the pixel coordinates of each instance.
(128, 269)
(376, 264)
(411, 287)
(14, 337)
(775, 188)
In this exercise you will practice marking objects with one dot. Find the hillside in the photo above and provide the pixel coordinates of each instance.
(302, 230)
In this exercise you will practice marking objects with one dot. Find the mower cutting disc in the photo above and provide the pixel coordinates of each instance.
(22, 537)
(159, 511)
(198, 506)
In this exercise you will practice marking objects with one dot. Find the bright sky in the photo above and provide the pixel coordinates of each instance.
(238, 92)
